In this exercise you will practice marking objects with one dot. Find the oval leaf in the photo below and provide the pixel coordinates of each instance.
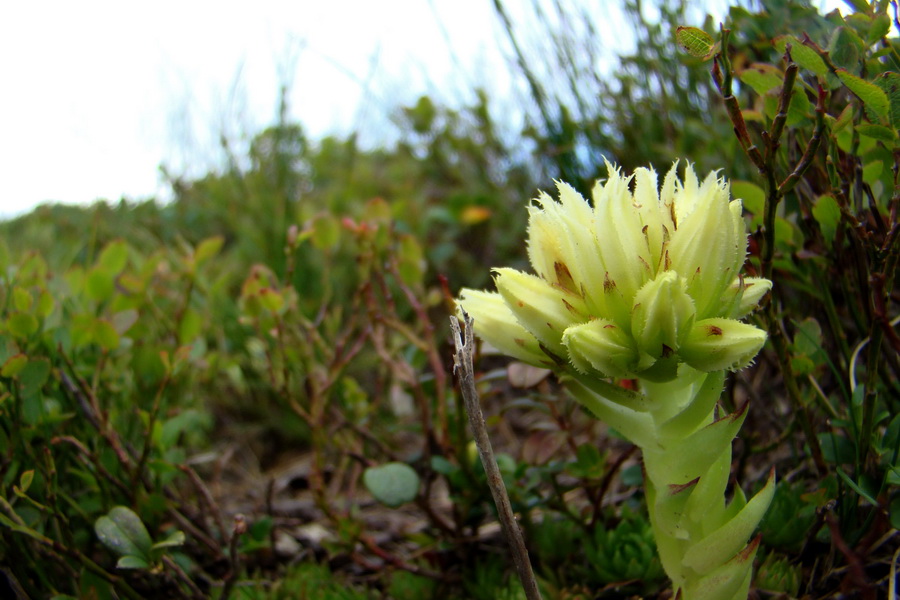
(131, 561)
(889, 82)
(695, 42)
(803, 55)
(114, 257)
(877, 132)
(207, 249)
(827, 212)
(14, 365)
(872, 95)
(123, 532)
(392, 484)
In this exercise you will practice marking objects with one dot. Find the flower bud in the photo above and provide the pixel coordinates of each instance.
(623, 245)
(601, 346)
(663, 315)
(496, 324)
(707, 247)
(544, 310)
(754, 288)
(717, 344)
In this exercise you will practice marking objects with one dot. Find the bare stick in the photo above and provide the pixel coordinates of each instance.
(462, 366)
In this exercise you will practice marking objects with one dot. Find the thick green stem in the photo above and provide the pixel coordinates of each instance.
(704, 543)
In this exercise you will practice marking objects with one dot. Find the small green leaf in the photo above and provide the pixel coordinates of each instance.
(25, 480)
(207, 249)
(176, 538)
(14, 365)
(45, 304)
(877, 132)
(872, 96)
(34, 376)
(22, 299)
(326, 232)
(123, 532)
(392, 484)
(105, 335)
(130, 561)
(762, 78)
(827, 213)
(844, 119)
(100, 284)
(411, 261)
(695, 42)
(751, 195)
(808, 339)
(845, 48)
(803, 55)
(114, 257)
(872, 171)
(22, 325)
(879, 28)
(860, 6)
(889, 82)
(124, 320)
(191, 326)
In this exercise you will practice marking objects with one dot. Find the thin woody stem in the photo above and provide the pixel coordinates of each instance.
(462, 366)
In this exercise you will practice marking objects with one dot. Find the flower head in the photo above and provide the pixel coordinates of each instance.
(641, 281)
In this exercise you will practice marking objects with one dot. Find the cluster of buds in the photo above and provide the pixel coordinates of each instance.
(636, 284)
(646, 284)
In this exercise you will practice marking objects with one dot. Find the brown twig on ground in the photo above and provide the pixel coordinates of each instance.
(462, 366)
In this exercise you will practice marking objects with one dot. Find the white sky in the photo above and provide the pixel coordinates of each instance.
(97, 93)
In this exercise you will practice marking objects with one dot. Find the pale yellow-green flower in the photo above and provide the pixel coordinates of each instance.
(633, 285)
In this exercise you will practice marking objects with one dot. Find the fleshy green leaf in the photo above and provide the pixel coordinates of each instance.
(728, 540)
(392, 484)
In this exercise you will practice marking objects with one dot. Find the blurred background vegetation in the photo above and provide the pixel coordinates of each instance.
(258, 371)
